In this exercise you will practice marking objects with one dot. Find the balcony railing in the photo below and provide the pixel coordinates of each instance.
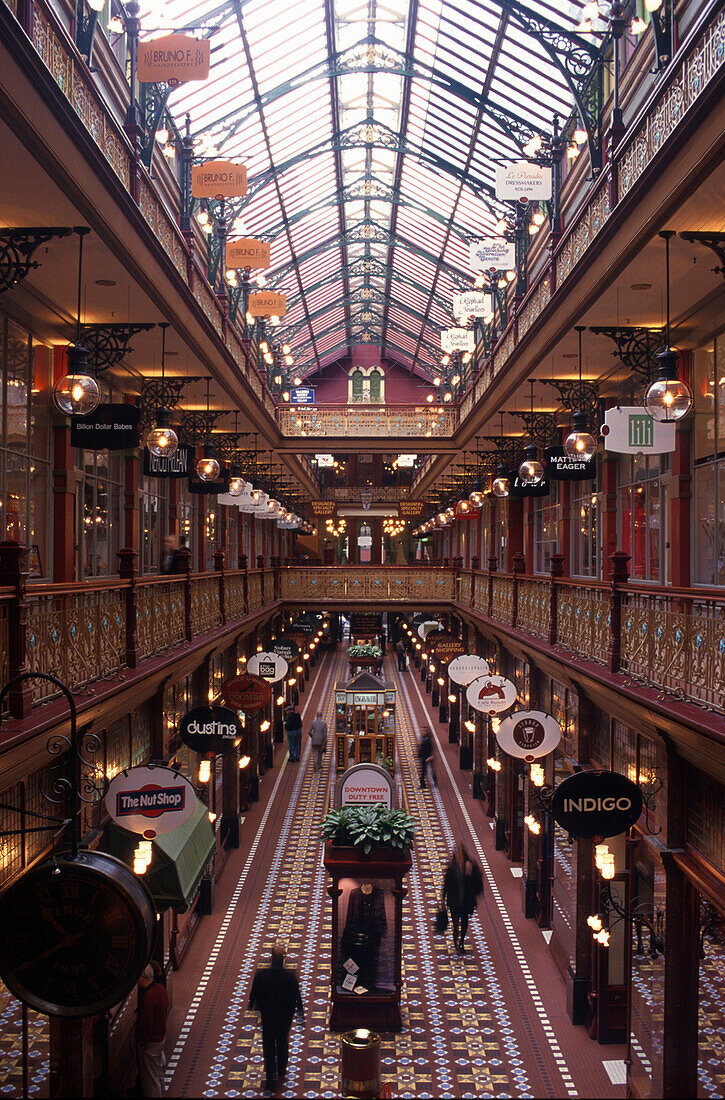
(397, 421)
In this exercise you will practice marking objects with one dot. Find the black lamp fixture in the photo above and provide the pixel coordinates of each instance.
(580, 443)
(531, 472)
(162, 440)
(668, 399)
(207, 468)
(77, 392)
(501, 484)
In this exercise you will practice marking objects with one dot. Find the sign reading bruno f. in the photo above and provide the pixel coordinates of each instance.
(602, 804)
(365, 785)
(210, 729)
(173, 58)
(219, 179)
(529, 734)
(150, 800)
(247, 252)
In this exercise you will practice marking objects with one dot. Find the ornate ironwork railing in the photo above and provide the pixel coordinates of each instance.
(406, 421)
(533, 607)
(391, 584)
(205, 603)
(584, 619)
(160, 615)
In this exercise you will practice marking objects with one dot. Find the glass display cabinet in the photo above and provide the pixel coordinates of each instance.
(364, 721)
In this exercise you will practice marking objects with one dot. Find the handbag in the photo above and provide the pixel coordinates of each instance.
(441, 921)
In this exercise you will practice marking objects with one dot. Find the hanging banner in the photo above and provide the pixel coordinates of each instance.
(493, 254)
(150, 800)
(466, 668)
(287, 648)
(268, 666)
(491, 694)
(457, 339)
(522, 180)
(172, 59)
(302, 395)
(560, 467)
(246, 693)
(267, 303)
(110, 427)
(219, 179)
(474, 303)
(517, 490)
(630, 430)
(529, 734)
(247, 252)
(179, 464)
(366, 785)
(600, 803)
(211, 729)
(445, 646)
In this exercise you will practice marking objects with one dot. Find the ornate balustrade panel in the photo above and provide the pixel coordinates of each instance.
(4, 647)
(379, 584)
(533, 611)
(583, 620)
(465, 588)
(79, 636)
(159, 616)
(378, 420)
(205, 610)
(502, 602)
(234, 596)
(479, 599)
(255, 602)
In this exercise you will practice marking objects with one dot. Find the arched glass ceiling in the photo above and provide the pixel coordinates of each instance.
(371, 130)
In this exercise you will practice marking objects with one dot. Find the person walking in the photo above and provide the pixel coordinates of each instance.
(462, 886)
(170, 561)
(318, 739)
(425, 756)
(293, 726)
(275, 994)
(151, 1032)
(400, 650)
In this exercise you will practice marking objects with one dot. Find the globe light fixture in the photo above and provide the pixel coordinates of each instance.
(531, 472)
(580, 443)
(668, 399)
(207, 468)
(162, 440)
(77, 393)
(237, 483)
(476, 498)
(501, 484)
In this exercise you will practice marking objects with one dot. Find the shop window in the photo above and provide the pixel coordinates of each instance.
(709, 465)
(546, 529)
(624, 750)
(706, 816)
(522, 679)
(641, 514)
(11, 826)
(585, 531)
(600, 738)
(499, 527)
(118, 746)
(98, 522)
(141, 734)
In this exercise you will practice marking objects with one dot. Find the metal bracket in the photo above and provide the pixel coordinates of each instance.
(196, 426)
(164, 393)
(662, 31)
(16, 250)
(574, 395)
(714, 241)
(540, 426)
(108, 343)
(636, 346)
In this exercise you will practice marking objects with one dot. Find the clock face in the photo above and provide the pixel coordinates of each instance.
(75, 935)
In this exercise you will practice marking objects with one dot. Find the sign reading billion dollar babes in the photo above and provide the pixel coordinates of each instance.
(218, 179)
(247, 252)
(173, 58)
(266, 303)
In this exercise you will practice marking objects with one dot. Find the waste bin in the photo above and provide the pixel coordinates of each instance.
(360, 1063)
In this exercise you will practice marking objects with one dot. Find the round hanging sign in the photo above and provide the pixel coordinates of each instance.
(445, 646)
(600, 803)
(150, 800)
(528, 734)
(270, 666)
(467, 667)
(287, 648)
(427, 627)
(491, 694)
(210, 729)
(247, 693)
(420, 618)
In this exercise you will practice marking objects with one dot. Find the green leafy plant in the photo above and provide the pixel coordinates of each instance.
(369, 827)
(388, 764)
(364, 650)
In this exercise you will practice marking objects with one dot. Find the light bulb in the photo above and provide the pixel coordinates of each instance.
(500, 487)
(595, 923)
(77, 394)
(476, 498)
(538, 218)
(668, 399)
(204, 771)
(207, 468)
(244, 762)
(162, 440)
(236, 486)
(580, 443)
(470, 726)
(580, 136)
(531, 472)
(637, 25)
(602, 937)
(264, 726)
(96, 5)
(653, 5)
(162, 136)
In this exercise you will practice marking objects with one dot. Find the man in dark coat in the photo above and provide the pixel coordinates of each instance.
(275, 994)
(425, 756)
(462, 885)
(293, 726)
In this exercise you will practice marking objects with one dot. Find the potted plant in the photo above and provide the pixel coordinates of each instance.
(369, 827)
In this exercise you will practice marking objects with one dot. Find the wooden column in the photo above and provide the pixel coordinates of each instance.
(71, 1057)
(64, 502)
(131, 505)
(516, 531)
(678, 535)
(127, 571)
(619, 575)
(609, 513)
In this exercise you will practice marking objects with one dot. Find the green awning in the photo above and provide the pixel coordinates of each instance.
(179, 858)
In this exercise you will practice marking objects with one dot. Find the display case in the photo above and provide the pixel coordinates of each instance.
(364, 721)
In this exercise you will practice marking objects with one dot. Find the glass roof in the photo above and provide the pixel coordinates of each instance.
(371, 130)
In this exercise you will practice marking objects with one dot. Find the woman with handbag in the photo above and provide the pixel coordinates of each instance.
(462, 886)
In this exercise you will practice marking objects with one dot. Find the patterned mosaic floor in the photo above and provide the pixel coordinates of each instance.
(474, 1025)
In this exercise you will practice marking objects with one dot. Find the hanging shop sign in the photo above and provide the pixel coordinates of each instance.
(410, 508)
(323, 507)
(219, 179)
(267, 303)
(366, 785)
(179, 464)
(427, 627)
(325, 462)
(304, 625)
(599, 803)
(529, 734)
(630, 430)
(445, 646)
(287, 648)
(491, 694)
(247, 252)
(457, 339)
(302, 395)
(150, 800)
(420, 618)
(211, 729)
(518, 490)
(173, 58)
(365, 541)
(467, 667)
(210, 488)
(493, 254)
(560, 467)
(406, 461)
(268, 666)
(111, 427)
(522, 180)
(472, 303)
(247, 693)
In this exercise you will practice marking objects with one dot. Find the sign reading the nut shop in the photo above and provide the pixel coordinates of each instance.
(173, 58)
(267, 303)
(247, 252)
(590, 804)
(218, 179)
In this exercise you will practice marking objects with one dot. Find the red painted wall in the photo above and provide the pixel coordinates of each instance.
(401, 388)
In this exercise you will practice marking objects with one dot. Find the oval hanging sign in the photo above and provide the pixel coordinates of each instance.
(445, 646)
(491, 694)
(467, 667)
(287, 648)
(247, 693)
(211, 729)
(529, 734)
(427, 627)
(150, 800)
(600, 803)
(269, 666)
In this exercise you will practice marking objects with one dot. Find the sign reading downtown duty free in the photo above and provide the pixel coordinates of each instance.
(600, 803)
(529, 734)
(210, 729)
(366, 785)
(150, 800)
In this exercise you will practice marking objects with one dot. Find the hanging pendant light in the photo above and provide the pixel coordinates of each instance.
(668, 399)
(531, 472)
(162, 440)
(207, 468)
(77, 393)
(237, 484)
(580, 443)
(501, 484)
(476, 498)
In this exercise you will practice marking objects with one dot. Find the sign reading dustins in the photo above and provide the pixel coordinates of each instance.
(150, 800)
(366, 785)
(211, 729)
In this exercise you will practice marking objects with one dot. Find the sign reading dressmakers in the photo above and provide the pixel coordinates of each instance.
(522, 180)
(150, 800)
(173, 59)
(529, 734)
(491, 694)
(111, 427)
(600, 803)
(210, 729)
(366, 785)
(219, 179)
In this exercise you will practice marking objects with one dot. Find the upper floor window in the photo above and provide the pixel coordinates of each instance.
(366, 386)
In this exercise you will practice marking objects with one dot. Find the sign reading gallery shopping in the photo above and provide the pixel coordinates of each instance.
(366, 785)
(600, 803)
